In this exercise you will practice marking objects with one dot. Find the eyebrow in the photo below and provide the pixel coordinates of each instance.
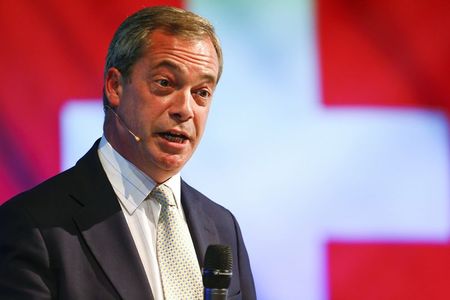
(169, 64)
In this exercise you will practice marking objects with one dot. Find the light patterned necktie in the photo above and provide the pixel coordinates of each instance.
(180, 272)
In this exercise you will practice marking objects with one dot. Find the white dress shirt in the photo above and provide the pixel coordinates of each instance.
(132, 187)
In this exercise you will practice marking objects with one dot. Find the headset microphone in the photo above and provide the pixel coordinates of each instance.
(137, 139)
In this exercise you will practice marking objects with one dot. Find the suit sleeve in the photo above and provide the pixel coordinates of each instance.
(24, 261)
(245, 273)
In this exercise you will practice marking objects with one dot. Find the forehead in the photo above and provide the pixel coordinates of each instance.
(196, 53)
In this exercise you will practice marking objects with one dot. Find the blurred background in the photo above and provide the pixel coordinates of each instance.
(328, 137)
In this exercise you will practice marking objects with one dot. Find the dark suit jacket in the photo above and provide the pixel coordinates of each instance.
(68, 239)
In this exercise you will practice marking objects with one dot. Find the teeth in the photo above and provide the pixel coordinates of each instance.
(177, 138)
(174, 135)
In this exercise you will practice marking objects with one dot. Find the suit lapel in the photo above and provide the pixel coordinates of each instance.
(103, 227)
(201, 226)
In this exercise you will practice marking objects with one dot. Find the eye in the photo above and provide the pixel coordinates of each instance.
(203, 93)
(163, 82)
(161, 85)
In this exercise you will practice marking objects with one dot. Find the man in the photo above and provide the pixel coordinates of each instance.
(100, 230)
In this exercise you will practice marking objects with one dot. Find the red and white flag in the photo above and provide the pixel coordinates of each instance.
(330, 122)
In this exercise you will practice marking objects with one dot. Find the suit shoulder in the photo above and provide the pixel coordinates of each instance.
(194, 195)
(51, 190)
(47, 188)
(42, 199)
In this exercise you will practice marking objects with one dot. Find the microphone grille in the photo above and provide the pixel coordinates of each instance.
(218, 257)
(217, 267)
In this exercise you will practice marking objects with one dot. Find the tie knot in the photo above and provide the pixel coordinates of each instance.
(163, 194)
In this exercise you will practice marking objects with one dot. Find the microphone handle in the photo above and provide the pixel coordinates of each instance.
(215, 294)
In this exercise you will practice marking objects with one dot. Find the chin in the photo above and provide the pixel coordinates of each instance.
(173, 163)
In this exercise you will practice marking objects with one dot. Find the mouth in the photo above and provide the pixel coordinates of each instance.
(174, 137)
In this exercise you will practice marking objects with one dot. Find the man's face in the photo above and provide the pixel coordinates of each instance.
(165, 101)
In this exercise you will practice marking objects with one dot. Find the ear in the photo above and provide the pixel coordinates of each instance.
(113, 86)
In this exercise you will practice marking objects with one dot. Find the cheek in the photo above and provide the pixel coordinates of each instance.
(201, 119)
(200, 126)
(146, 116)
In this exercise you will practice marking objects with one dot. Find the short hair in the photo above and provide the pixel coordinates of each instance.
(130, 40)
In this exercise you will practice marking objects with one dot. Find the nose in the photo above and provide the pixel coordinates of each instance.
(182, 107)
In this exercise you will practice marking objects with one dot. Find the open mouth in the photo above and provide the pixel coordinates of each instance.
(174, 137)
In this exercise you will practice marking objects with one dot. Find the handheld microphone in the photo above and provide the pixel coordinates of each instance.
(136, 138)
(217, 272)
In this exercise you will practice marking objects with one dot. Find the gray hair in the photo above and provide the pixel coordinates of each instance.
(130, 40)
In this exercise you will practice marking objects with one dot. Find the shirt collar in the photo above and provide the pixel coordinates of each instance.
(131, 185)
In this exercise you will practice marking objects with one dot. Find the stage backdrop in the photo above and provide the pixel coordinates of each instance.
(328, 136)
